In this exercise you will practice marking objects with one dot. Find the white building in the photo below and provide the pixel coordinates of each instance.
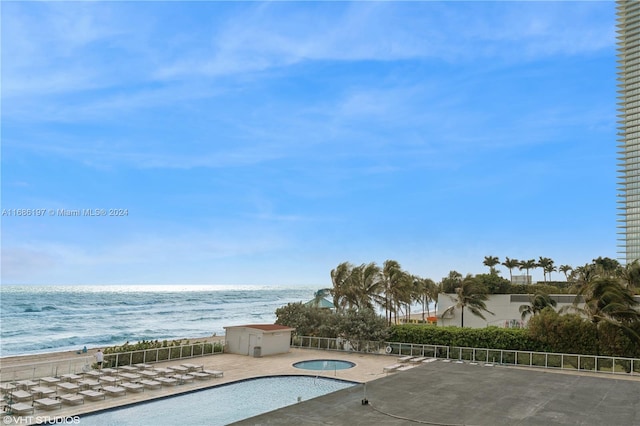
(257, 339)
(505, 308)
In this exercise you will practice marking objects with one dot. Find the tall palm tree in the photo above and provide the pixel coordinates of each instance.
(526, 265)
(428, 293)
(491, 262)
(537, 302)
(565, 269)
(510, 264)
(365, 285)
(393, 288)
(550, 268)
(545, 263)
(340, 277)
(469, 295)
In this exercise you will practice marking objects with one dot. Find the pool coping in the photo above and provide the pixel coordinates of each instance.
(220, 385)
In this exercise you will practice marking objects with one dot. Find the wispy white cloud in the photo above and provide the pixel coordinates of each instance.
(47, 260)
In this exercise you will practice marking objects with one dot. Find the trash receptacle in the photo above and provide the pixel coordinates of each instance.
(257, 351)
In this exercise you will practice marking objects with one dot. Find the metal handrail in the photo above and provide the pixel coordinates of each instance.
(550, 360)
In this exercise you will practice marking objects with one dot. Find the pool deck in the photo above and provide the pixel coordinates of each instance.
(235, 367)
(451, 393)
(437, 392)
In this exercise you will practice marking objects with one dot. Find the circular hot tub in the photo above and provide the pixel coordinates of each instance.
(324, 364)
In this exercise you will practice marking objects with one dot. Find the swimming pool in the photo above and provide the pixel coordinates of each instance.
(324, 364)
(222, 404)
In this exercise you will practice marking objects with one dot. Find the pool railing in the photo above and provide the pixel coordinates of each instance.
(550, 360)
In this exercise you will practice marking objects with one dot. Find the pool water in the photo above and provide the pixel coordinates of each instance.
(222, 404)
(324, 364)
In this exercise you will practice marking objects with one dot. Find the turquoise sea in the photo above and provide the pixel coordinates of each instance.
(37, 319)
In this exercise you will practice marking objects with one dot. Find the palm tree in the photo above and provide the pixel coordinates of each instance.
(469, 295)
(365, 285)
(491, 261)
(421, 293)
(526, 265)
(537, 302)
(583, 275)
(393, 288)
(606, 300)
(606, 266)
(565, 269)
(510, 264)
(631, 275)
(340, 279)
(545, 263)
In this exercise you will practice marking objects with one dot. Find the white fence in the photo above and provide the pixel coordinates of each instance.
(46, 368)
(592, 363)
(85, 363)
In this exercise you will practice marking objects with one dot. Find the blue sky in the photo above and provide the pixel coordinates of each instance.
(265, 143)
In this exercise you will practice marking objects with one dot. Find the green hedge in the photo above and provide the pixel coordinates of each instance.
(490, 337)
(547, 332)
(157, 351)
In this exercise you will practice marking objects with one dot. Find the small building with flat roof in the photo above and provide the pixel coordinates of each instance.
(258, 339)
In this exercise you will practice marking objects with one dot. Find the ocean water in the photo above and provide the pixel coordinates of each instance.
(59, 318)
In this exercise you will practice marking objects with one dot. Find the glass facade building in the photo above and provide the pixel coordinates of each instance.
(628, 31)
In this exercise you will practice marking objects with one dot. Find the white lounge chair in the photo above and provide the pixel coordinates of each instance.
(167, 380)
(20, 408)
(7, 387)
(214, 373)
(129, 376)
(49, 380)
(71, 398)
(71, 377)
(21, 395)
(89, 384)
(114, 390)
(192, 367)
(178, 368)
(26, 384)
(151, 384)
(200, 375)
(143, 366)
(128, 368)
(405, 358)
(68, 386)
(134, 387)
(41, 391)
(183, 378)
(406, 367)
(112, 381)
(47, 403)
(93, 395)
(163, 371)
(390, 368)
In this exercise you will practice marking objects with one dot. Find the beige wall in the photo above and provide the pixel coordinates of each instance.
(506, 312)
(243, 340)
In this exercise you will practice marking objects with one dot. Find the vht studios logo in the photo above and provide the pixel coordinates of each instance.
(49, 420)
